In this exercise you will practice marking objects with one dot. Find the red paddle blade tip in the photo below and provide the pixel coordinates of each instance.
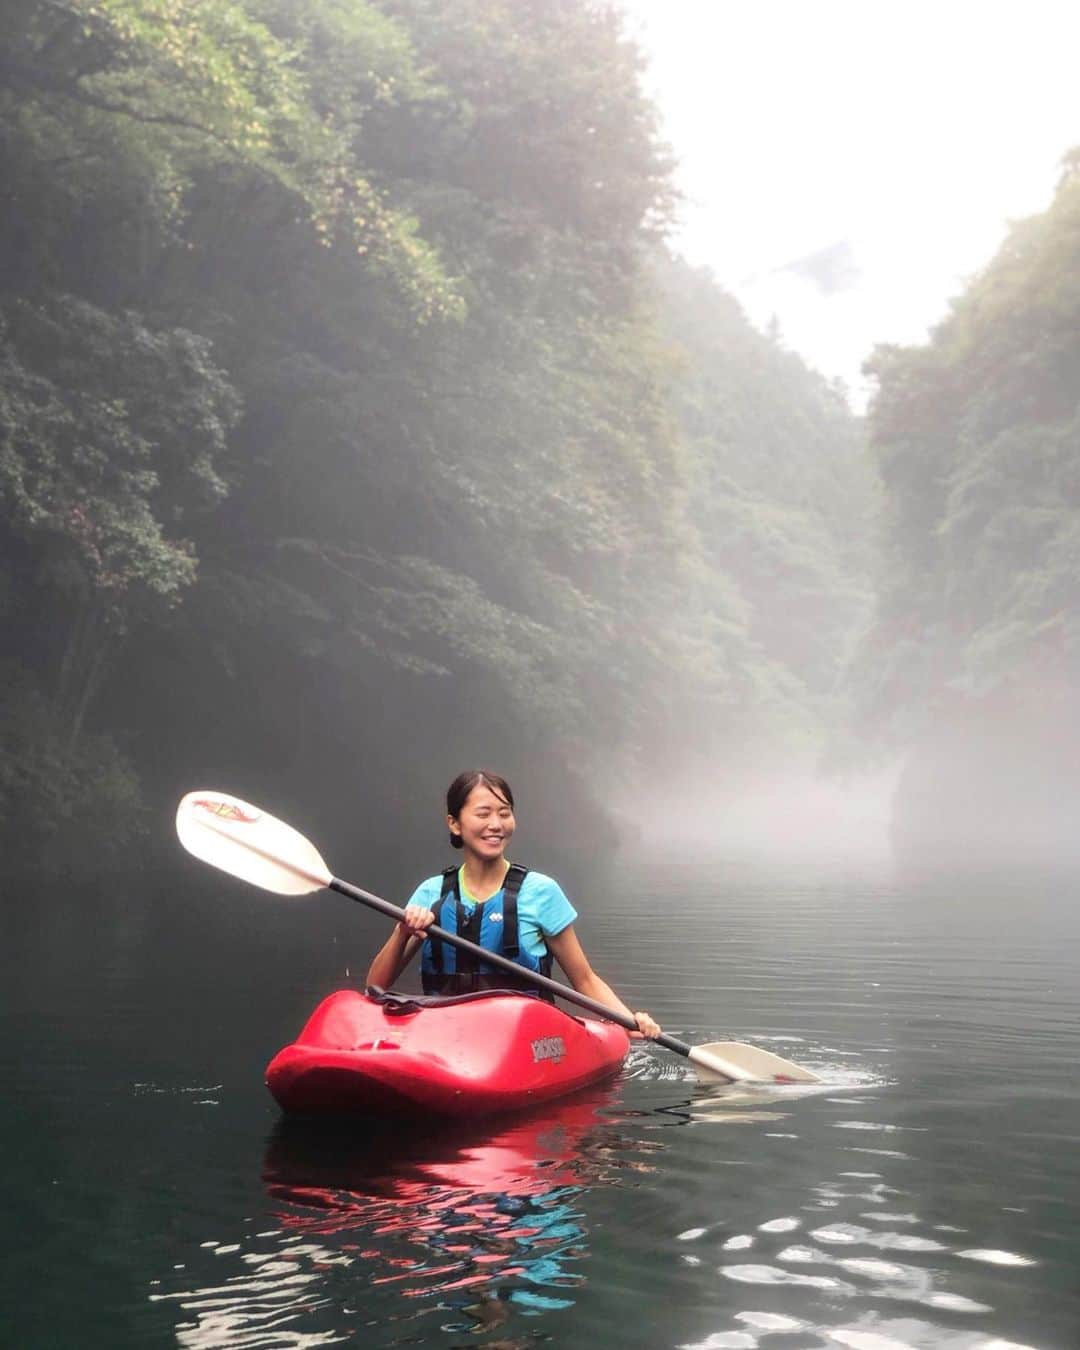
(226, 809)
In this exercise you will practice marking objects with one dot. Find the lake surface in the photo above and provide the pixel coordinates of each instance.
(927, 1196)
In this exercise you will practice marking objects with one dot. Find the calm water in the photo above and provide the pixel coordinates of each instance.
(927, 1197)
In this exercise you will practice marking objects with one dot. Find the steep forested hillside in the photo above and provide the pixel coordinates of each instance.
(973, 658)
(785, 501)
(350, 431)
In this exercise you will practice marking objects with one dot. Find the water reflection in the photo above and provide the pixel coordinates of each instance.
(376, 1224)
(487, 1223)
(388, 1230)
(835, 1281)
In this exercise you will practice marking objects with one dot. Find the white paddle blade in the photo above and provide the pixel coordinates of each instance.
(753, 1063)
(711, 1069)
(250, 844)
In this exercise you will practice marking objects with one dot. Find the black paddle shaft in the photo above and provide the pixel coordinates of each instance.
(504, 963)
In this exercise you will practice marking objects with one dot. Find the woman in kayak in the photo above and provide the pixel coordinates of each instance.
(498, 905)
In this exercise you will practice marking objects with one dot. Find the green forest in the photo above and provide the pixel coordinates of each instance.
(358, 424)
(972, 663)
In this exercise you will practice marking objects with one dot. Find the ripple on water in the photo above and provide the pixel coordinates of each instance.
(278, 1292)
(996, 1258)
(764, 1274)
(874, 1268)
(724, 1340)
(842, 1233)
(884, 1153)
(908, 1333)
(785, 1225)
(839, 1261)
(877, 1125)
(773, 1323)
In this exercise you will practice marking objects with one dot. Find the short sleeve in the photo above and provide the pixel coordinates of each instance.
(554, 912)
(426, 893)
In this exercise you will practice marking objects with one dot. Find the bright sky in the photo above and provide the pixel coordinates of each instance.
(912, 131)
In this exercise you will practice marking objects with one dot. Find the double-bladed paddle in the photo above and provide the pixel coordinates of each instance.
(249, 843)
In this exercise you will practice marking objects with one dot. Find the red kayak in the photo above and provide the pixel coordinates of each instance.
(472, 1055)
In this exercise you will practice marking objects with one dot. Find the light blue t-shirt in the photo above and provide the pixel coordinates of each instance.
(543, 908)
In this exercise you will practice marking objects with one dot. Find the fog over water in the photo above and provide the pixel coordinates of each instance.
(783, 817)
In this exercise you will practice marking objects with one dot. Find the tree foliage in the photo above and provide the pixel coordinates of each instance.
(783, 495)
(977, 436)
(343, 402)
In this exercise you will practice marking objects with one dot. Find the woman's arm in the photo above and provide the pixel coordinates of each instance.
(400, 947)
(568, 951)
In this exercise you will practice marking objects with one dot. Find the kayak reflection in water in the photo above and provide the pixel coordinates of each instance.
(430, 1228)
(502, 907)
(486, 1224)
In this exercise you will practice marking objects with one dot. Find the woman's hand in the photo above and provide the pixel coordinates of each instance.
(417, 920)
(647, 1028)
(567, 950)
(406, 938)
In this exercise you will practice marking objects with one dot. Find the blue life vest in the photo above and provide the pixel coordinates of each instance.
(492, 924)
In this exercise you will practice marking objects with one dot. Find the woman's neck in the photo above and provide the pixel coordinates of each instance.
(482, 877)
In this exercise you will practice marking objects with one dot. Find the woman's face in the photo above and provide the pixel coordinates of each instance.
(485, 824)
